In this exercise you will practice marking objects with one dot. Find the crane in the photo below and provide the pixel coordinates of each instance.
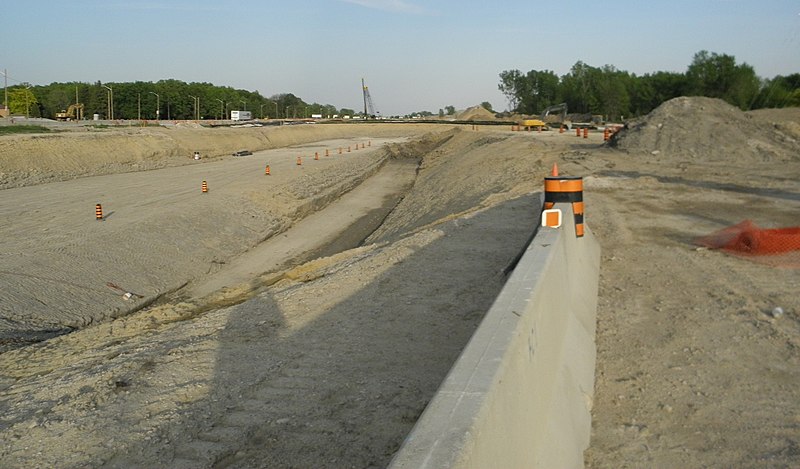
(369, 108)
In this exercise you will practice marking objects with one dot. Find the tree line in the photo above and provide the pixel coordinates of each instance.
(165, 99)
(617, 94)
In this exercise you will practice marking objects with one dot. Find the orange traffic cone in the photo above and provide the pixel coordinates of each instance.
(555, 170)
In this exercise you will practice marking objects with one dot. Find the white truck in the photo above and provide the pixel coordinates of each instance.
(241, 115)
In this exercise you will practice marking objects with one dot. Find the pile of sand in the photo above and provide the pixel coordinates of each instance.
(709, 130)
(476, 113)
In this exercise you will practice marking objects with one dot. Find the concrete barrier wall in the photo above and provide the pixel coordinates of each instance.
(520, 394)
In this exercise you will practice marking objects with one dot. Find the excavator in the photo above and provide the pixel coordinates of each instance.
(551, 116)
(556, 115)
(73, 112)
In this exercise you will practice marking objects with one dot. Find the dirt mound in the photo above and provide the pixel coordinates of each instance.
(476, 113)
(707, 129)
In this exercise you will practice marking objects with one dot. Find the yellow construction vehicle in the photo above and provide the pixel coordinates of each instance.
(73, 112)
(529, 124)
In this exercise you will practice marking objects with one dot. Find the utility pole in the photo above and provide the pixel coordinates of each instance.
(27, 102)
(364, 92)
(5, 90)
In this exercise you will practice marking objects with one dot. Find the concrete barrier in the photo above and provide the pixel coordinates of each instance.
(520, 394)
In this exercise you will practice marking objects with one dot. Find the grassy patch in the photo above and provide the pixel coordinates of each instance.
(23, 129)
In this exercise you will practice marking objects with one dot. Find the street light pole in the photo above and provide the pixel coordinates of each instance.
(276, 111)
(196, 103)
(221, 108)
(110, 101)
(158, 104)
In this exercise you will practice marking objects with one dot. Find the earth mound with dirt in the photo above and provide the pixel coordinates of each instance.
(709, 130)
(476, 113)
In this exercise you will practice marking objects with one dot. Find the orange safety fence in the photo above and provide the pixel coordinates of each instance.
(775, 246)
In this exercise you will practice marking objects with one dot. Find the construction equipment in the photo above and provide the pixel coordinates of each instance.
(529, 124)
(73, 112)
(556, 116)
(369, 108)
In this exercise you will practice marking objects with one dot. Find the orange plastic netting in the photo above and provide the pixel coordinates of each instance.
(775, 246)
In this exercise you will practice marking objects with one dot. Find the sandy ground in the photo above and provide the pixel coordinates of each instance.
(328, 363)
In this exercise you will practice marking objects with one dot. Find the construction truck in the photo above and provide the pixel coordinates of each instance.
(73, 112)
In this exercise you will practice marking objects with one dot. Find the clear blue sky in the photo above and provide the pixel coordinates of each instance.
(415, 55)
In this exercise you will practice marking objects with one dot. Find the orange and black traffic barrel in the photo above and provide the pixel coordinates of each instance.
(566, 189)
(98, 212)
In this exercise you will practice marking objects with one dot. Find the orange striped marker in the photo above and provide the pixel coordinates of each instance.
(565, 189)
(348, 148)
(98, 212)
(299, 161)
(585, 132)
(577, 132)
(327, 153)
(266, 170)
(204, 187)
(362, 144)
(369, 143)
(316, 155)
(561, 129)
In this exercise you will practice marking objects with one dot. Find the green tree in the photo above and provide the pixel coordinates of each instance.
(578, 87)
(611, 94)
(781, 91)
(21, 100)
(530, 93)
(487, 105)
(718, 76)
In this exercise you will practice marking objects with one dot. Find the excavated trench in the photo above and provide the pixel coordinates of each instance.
(265, 264)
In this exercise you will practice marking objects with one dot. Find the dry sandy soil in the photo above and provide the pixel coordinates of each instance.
(327, 359)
